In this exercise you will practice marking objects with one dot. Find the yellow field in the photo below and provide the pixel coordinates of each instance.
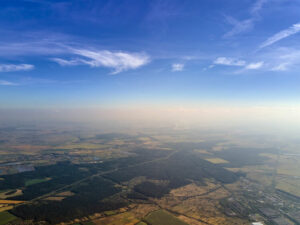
(202, 151)
(126, 218)
(54, 198)
(83, 146)
(217, 160)
(141, 210)
(4, 195)
(10, 202)
(192, 190)
(289, 185)
(5, 208)
(65, 194)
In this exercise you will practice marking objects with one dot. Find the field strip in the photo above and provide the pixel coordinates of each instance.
(10, 202)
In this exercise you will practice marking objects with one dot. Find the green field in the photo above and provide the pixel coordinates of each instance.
(87, 223)
(161, 217)
(6, 217)
(141, 223)
(35, 181)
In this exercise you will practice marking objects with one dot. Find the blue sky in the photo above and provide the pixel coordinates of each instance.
(114, 53)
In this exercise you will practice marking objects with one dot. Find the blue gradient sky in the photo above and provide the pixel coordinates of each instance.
(109, 53)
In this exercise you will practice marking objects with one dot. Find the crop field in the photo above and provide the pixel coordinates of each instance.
(161, 217)
(126, 218)
(87, 223)
(10, 202)
(5, 208)
(141, 223)
(289, 185)
(10, 193)
(217, 160)
(6, 217)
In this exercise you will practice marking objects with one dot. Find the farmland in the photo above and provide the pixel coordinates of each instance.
(162, 217)
(217, 160)
(36, 181)
(115, 178)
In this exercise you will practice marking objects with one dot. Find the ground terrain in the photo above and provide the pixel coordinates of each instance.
(86, 176)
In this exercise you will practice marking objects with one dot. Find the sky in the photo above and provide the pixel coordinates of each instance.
(177, 53)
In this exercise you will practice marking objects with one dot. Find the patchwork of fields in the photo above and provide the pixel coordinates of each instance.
(145, 179)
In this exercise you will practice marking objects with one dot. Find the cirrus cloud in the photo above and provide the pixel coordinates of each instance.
(294, 29)
(118, 61)
(229, 61)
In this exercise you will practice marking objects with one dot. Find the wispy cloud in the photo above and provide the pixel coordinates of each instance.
(241, 26)
(7, 83)
(35, 43)
(238, 26)
(294, 29)
(257, 6)
(15, 67)
(281, 67)
(64, 62)
(177, 67)
(254, 66)
(119, 61)
(284, 59)
(229, 61)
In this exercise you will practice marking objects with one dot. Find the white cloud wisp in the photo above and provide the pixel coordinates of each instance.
(119, 61)
(294, 29)
(229, 61)
(15, 67)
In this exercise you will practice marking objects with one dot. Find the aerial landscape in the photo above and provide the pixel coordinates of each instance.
(149, 112)
(79, 176)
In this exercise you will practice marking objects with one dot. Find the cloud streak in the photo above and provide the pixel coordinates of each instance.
(229, 61)
(247, 24)
(238, 26)
(294, 29)
(7, 83)
(64, 62)
(118, 61)
(15, 67)
(257, 6)
(226, 61)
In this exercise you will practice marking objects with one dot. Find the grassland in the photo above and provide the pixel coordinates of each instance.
(291, 186)
(161, 217)
(6, 217)
(35, 181)
(141, 223)
(5, 208)
(87, 223)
